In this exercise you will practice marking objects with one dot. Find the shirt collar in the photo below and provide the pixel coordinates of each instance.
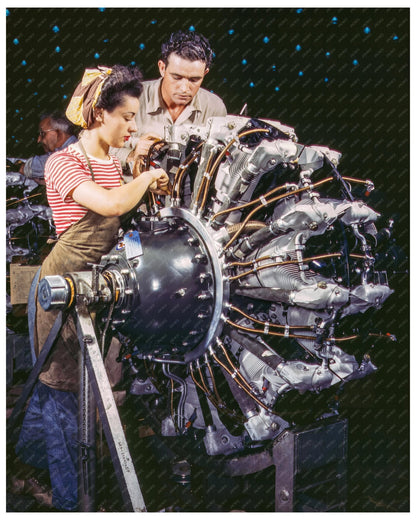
(156, 103)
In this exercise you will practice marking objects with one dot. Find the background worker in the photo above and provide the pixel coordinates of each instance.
(55, 133)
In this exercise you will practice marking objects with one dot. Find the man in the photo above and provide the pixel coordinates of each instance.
(176, 97)
(55, 133)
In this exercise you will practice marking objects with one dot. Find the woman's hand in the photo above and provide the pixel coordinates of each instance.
(160, 181)
(118, 201)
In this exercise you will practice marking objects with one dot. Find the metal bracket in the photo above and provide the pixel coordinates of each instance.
(107, 408)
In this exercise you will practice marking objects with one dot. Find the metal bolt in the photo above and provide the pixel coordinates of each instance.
(204, 295)
(284, 495)
(201, 258)
(313, 226)
(193, 241)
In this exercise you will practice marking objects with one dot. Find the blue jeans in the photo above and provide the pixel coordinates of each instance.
(48, 440)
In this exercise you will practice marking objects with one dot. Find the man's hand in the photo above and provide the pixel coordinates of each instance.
(142, 147)
(139, 154)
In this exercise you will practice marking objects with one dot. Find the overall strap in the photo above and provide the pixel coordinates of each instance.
(81, 146)
(86, 157)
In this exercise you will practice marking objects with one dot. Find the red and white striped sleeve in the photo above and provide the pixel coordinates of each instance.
(64, 172)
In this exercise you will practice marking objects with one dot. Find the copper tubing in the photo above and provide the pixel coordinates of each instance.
(249, 393)
(224, 151)
(217, 395)
(346, 338)
(277, 325)
(204, 178)
(204, 387)
(253, 225)
(353, 179)
(206, 188)
(212, 169)
(270, 333)
(220, 157)
(220, 405)
(275, 199)
(248, 204)
(236, 371)
(294, 336)
(150, 151)
(253, 131)
(219, 401)
(177, 181)
(286, 262)
(22, 200)
(228, 146)
(201, 376)
(146, 166)
(195, 381)
(251, 262)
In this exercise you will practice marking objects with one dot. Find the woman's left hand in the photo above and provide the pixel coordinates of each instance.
(160, 185)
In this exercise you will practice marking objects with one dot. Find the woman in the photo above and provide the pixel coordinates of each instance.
(87, 195)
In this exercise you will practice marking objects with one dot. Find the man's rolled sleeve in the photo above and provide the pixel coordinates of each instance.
(34, 167)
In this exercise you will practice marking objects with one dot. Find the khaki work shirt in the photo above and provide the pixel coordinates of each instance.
(153, 115)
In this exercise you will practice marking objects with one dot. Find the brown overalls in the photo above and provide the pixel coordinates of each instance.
(84, 242)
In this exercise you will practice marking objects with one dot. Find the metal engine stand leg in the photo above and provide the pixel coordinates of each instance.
(107, 408)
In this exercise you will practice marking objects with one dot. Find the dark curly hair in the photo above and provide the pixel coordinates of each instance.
(123, 80)
(188, 45)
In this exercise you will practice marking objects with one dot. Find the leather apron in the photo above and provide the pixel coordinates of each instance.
(82, 243)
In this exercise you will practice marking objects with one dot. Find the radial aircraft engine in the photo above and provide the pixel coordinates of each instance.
(230, 293)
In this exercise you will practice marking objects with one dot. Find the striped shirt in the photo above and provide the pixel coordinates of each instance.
(66, 170)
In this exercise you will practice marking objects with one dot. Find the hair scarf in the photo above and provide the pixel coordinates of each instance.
(81, 107)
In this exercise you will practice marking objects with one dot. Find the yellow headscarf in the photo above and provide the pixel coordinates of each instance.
(81, 107)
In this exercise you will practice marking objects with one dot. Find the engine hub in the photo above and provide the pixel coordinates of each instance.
(171, 291)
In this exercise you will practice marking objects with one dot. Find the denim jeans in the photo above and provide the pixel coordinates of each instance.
(48, 440)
